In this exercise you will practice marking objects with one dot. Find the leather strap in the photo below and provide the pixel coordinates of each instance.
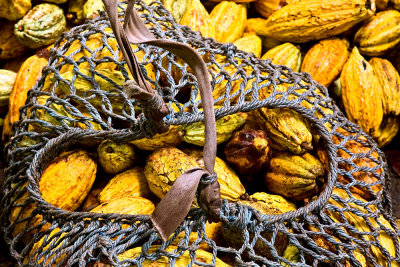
(175, 205)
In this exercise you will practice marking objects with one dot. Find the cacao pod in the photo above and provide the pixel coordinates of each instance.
(66, 182)
(176, 7)
(41, 26)
(380, 34)
(248, 151)
(194, 133)
(129, 183)
(286, 128)
(325, 60)
(14, 9)
(164, 166)
(359, 82)
(229, 20)
(75, 11)
(116, 157)
(166, 139)
(250, 44)
(92, 200)
(9, 45)
(197, 18)
(285, 54)
(92, 9)
(309, 20)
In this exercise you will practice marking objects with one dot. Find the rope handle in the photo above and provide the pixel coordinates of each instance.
(175, 205)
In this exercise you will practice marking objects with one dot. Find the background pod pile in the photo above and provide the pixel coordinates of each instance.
(336, 210)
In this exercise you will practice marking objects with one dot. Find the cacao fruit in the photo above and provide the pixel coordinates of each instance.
(92, 200)
(184, 260)
(387, 131)
(14, 9)
(309, 20)
(92, 9)
(265, 204)
(176, 7)
(126, 205)
(230, 186)
(286, 128)
(294, 176)
(7, 79)
(361, 93)
(285, 54)
(197, 18)
(325, 60)
(164, 166)
(66, 182)
(129, 183)
(41, 26)
(380, 34)
(250, 44)
(267, 7)
(50, 241)
(75, 11)
(229, 20)
(248, 151)
(9, 45)
(116, 157)
(194, 133)
(292, 254)
(166, 139)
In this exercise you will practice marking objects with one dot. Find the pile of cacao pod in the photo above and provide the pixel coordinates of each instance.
(300, 183)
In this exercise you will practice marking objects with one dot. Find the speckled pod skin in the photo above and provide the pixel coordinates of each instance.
(379, 35)
(41, 26)
(116, 157)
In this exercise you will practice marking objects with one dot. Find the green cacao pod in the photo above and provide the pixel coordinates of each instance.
(116, 157)
(41, 26)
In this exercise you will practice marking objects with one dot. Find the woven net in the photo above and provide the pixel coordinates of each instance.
(79, 101)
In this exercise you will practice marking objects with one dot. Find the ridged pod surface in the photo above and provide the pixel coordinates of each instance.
(309, 20)
(229, 19)
(66, 182)
(129, 183)
(325, 60)
(285, 54)
(379, 35)
(197, 18)
(126, 205)
(14, 9)
(250, 44)
(166, 139)
(164, 166)
(294, 176)
(41, 26)
(361, 93)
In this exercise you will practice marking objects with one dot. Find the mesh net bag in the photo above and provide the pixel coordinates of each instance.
(80, 101)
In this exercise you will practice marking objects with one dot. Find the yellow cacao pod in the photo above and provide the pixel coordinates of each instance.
(197, 18)
(126, 205)
(294, 176)
(389, 80)
(359, 82)
(50, 241)
(285, 54)
(325, 60)
(164, 166)
(230, 186)
(184, 260)
(14, 9)
(286, 128)
(66, 182)
(129, 183)
(380, 34)
(177, 7)
(194, 133)
(309, 20)
(266, 7)
(75, 11)
(92, 200)
(229, 20)
(388, 130)
(265, 204)
(9, 45)
(166, 139)
(116, 157)
(250, 44)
